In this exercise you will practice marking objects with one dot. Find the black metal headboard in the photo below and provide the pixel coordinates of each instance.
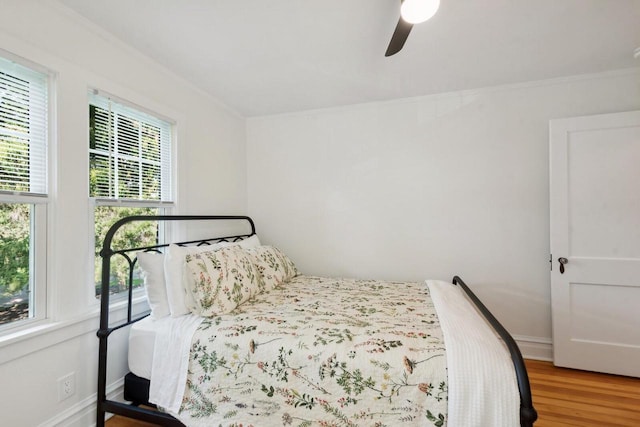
(107, 253)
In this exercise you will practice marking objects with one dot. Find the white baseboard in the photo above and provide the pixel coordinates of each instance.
(535, 348)
(83, 413)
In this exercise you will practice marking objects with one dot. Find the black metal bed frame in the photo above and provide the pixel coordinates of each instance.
(528, 414)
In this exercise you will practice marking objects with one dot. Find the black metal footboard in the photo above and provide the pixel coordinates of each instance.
(105, 405)
(528, 414)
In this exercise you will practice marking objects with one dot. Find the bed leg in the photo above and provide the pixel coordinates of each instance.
(528, 415)
(102, 371)
(100, 417)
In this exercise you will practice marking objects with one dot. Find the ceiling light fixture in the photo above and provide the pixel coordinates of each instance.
(417, 11)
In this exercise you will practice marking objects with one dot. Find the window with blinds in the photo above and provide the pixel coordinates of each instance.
(129, 174)
(129, 153)
(23, 129)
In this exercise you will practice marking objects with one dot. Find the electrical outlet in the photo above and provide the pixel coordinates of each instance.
(66, 386)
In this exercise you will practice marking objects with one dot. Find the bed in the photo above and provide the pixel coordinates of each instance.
(280, 348)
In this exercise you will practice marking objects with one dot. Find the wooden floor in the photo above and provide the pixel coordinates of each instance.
(566, 397)
(562, 397)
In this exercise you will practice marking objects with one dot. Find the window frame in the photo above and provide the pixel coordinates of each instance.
(165, 207)
(40, 215)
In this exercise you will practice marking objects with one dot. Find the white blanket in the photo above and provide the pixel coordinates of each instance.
(171, 360)
(483, 390)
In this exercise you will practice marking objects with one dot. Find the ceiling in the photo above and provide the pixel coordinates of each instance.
(264, 57)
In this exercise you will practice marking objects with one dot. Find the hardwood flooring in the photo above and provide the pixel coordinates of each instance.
(117, 421)
(562, 397)
(567, 397)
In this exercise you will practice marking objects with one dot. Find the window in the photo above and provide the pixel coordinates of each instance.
(23, 193)
(129, 174)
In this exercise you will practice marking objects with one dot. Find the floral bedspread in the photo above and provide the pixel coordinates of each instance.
(321, 352)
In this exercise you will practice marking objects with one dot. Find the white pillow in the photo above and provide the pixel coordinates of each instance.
(249, 242)
(152, 267)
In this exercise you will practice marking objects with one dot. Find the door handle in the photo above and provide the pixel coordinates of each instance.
(562, 262)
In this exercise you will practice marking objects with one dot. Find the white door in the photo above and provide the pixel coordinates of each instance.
(595, 226)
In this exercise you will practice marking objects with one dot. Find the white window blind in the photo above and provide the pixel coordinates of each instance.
(129, 152)
(23, 129)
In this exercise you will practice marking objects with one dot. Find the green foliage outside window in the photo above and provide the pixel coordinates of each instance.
(14, 247)
(135, 234)
(15, 224)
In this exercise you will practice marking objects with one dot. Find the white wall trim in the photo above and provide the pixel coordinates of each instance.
(46, 335)
(535, 348)
(49, 334)
(83, 413)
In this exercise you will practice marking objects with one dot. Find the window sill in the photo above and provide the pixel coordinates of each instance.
(49, 333)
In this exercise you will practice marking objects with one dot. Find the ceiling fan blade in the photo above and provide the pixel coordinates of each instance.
(399, 37)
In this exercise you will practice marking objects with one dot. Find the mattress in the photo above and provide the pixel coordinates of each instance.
(142, 337)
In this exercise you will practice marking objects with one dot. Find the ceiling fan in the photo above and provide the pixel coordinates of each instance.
(411, 12)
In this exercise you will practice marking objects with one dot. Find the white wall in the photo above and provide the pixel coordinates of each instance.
(211, 176)
(427, 187)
